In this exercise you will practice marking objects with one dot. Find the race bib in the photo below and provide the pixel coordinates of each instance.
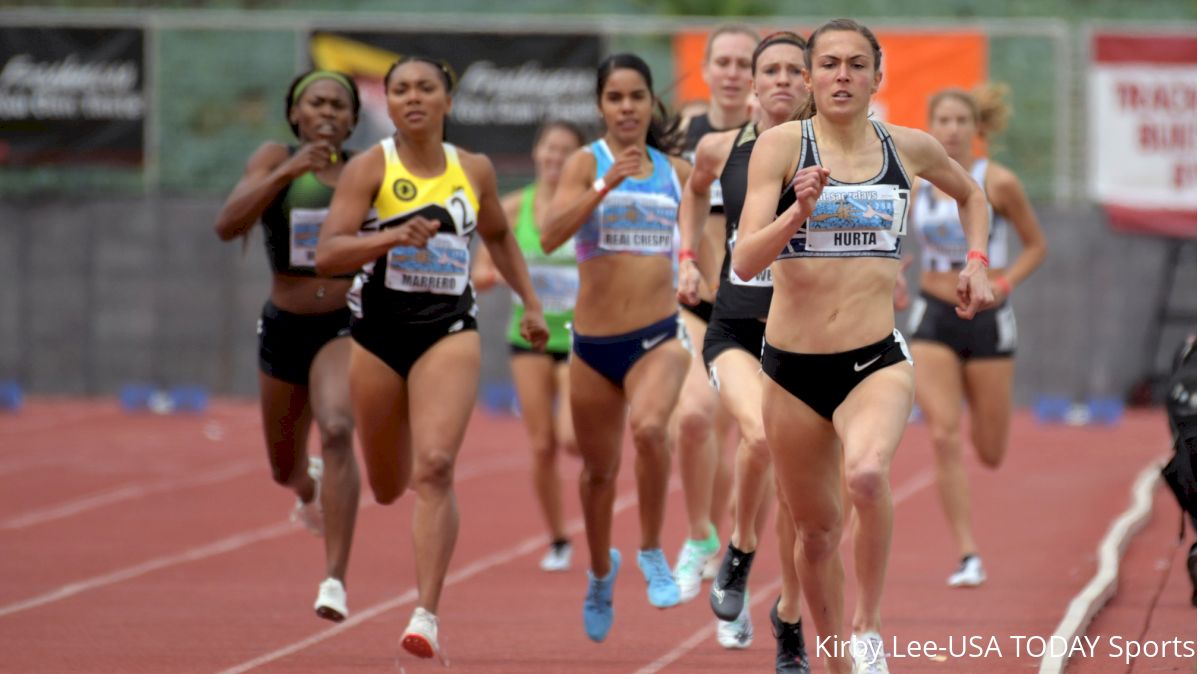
(854, 218)
(715, 196)
(762, 280)
(461, 212)
(304, 228)
(555, 286)
(639, 223)
(441, 267)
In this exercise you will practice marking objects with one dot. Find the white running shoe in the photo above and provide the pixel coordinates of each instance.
(689, 569)
(711, 567)
(558, 557)
(866, 650)
(969, 574)
(421, 636)
(331, 600)
(310, 514)
(736, 634)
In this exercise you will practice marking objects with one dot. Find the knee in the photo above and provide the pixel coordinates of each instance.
(435, 471)
(756, 449)
(649, 435)
(990, 451)
(694, 423)
(598, 476)
(867, 484)
(819, 541)
(543, 451)
(386, 494)
(946, 441)
(337, 434)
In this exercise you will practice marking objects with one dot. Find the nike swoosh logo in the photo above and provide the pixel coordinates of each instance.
(651, 342)
(860, 368)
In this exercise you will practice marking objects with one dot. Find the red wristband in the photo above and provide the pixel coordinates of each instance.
(1004, 284)
(686, 254)
(978, 255)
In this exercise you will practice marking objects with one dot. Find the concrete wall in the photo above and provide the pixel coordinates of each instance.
(95, 293)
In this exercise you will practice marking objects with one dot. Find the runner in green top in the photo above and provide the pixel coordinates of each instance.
(540, 378)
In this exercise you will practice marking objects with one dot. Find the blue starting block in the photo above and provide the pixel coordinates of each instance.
(10, 396)
(1095, 411)
(1050, 409)
(500, 398)
(143, 397)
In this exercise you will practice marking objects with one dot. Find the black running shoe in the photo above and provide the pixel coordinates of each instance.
(790, 656)
(729, 587)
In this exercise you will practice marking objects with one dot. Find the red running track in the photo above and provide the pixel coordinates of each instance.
(140, 543)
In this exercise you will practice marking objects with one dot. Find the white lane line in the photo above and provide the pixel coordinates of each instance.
(229, 544)
(899, 495)
(1085, 605)
(531, 544)
(128, 493)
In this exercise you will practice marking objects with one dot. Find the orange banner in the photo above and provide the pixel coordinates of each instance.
(915, 65)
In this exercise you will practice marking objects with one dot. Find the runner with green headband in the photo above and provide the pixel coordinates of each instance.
(303, 351)
(541, 378)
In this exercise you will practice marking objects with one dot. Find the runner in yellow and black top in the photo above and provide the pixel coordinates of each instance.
(303, 353)
(541, 378)
(414, 363)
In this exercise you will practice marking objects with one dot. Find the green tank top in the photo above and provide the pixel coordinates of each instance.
(555, 279)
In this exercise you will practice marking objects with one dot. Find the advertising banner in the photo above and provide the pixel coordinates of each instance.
(71, 96)
(507, 84)
(1142, 131)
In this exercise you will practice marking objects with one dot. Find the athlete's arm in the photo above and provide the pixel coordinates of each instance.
(1008, 199)
(929, 160)
(340, 249)
(762, 234)
(573, 202)
(268, 171)
(693, 214)
(502, 245)
(484, 275)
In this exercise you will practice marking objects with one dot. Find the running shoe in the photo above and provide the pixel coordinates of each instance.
(558, 557)
(421, 636)
(310, 514)
(711, 567)
(331, 600)
(728, 594)
(597, 605)
(969, 574)
(736, 634)
(661, 587)
(689, 567)
(866, 650)
(790, 656)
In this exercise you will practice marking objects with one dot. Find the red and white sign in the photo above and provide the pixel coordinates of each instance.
(1142, 134)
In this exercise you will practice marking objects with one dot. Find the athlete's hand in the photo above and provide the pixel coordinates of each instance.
(310, 158)
(808, 185)
(974, 290)
(690, 283)
(900, 291)
(533, 328)
(415, 232)
(625, 165)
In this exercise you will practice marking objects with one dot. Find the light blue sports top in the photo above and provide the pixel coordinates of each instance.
(637, 217)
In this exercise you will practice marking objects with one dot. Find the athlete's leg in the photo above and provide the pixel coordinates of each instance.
(329, 382)
(939, 391)
(443, 384)
(534, 379)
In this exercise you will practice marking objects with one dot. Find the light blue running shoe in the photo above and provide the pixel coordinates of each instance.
(661, 587)
(597, 605)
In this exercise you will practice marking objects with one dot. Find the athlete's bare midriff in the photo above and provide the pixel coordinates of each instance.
(308, 295)
(831, 305)
(621, 293)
